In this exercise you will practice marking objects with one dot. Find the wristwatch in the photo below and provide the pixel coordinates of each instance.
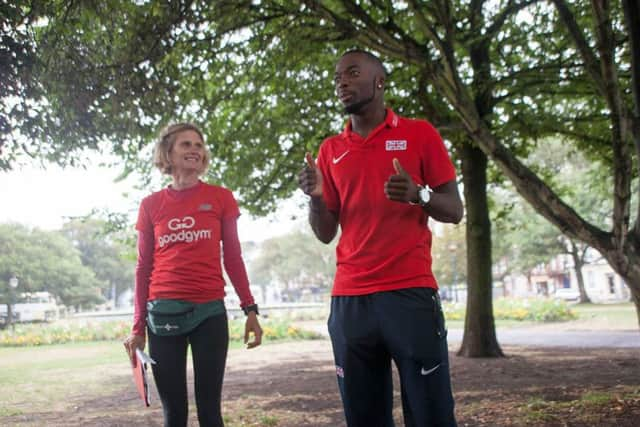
(251, 307)
(424, 194)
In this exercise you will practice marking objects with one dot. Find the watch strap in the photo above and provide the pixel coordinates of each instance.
(249, 308)
(417, 202)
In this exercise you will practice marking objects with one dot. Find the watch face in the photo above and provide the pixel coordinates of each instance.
(424, 195)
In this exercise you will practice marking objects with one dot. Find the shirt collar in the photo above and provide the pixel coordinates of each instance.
(390, 120)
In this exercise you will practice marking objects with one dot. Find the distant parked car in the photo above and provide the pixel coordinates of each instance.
(567, 294)
(32, 307)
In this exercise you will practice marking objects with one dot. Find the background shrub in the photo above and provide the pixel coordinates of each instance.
(63, 332)
(536, 309)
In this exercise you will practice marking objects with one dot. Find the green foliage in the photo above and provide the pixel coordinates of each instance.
(137, 66)
(537, 310)
(63, 333)
(26, 335)
(268, 421)
(81, 265)
(45, 261)
(257, 77)
(295, 258)
(525, 239)
(586, 409)
(18, 89)
(66, 112)
(104, 253)
(449, 255)
(273, 330)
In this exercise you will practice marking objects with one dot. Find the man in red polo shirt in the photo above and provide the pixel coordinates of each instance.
(380, 180)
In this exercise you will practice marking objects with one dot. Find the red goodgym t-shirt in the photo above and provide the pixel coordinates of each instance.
(186, 226)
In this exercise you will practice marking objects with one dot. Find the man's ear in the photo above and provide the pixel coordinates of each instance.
(380, 83)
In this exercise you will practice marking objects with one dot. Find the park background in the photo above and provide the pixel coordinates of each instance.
(538, 102)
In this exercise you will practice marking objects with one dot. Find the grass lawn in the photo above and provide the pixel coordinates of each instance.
(590, 317)
(51, 377)
(38, 374)
(39, 377)
(293, 385)
(54, 380)
(610, 316)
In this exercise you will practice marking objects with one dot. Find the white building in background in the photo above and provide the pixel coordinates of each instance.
(558, 279)
(602, 284)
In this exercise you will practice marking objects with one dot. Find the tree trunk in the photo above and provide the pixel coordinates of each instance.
(626, 262)
(479, 338)
(577, 267)
(263, 288)
(584, 297)
(9, 315)
(636, 300)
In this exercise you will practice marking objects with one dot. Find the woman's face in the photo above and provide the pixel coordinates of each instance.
(187, 153)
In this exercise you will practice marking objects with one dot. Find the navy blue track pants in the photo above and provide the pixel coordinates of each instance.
(406, 326)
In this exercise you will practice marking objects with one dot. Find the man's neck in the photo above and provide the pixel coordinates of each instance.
(364, 123)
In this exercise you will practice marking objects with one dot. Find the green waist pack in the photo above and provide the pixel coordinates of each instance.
(176, 317)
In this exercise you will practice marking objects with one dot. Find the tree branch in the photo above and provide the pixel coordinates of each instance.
(621, 152)
(510, 10)
(632, 19)
(425, 26)
(381, 35)
(578, 135)
(591, 63)
(532, 188)
(604, 75)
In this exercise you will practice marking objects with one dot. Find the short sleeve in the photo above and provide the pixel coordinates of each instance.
(144, 223)
(230, 209)
(437, 166)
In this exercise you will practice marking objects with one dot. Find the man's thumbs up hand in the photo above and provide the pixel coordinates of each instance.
(399, 169)
(400, 187)
(310, 162)
(310, 177)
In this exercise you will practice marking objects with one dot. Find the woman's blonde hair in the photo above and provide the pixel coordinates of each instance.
(165, 142)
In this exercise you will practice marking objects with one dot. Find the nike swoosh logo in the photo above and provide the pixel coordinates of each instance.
(427, 372)
(337, 159)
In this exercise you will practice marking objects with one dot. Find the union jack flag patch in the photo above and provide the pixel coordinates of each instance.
(395, 144)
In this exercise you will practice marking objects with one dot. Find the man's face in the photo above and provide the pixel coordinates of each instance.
(355, 82)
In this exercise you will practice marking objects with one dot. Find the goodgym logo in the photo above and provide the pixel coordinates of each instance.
(180, 224)
(185, 234)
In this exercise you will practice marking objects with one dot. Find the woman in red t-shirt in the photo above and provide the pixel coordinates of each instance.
(182, 232)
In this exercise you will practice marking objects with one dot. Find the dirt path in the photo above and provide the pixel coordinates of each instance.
(293, 385)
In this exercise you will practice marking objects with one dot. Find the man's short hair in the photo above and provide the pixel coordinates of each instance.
(370, 56)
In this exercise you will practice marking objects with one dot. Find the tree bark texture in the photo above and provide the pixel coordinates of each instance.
(578, 263)
(636, 300)
(479, 338)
